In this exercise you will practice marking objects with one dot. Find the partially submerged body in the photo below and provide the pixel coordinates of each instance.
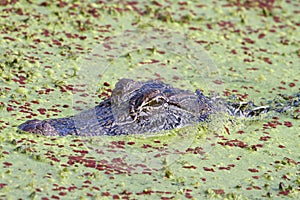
(139, 107)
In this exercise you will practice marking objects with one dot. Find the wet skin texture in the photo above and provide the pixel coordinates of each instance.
(139, 107)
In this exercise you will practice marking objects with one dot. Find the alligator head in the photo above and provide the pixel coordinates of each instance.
(133, 108)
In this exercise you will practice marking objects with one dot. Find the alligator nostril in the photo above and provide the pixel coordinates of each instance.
(40, 126)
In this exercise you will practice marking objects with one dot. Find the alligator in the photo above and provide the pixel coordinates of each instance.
(144, 107)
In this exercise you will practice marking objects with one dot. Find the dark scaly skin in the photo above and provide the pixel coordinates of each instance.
(133, 108)
(139, 107)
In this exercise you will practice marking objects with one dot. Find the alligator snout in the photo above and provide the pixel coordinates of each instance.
(38, 127)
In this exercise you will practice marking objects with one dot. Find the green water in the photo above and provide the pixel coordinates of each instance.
(256, 51)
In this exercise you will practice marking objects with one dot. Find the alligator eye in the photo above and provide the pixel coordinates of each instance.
(156, 102)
